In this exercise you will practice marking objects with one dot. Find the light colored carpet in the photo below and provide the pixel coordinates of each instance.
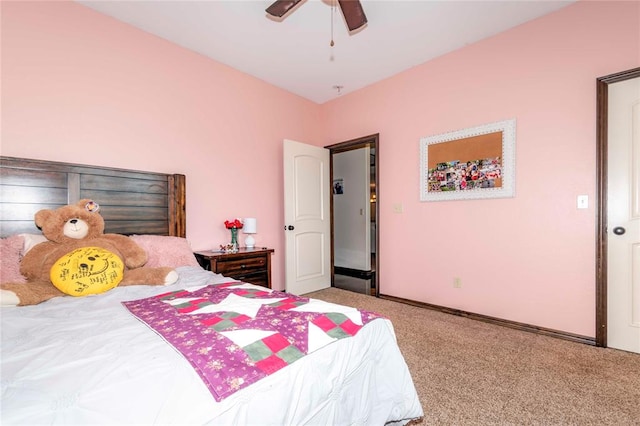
(468, 372)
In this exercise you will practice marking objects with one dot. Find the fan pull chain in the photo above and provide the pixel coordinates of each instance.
(333, 12)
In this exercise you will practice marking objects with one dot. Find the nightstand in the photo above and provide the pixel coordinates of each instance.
(249, 265)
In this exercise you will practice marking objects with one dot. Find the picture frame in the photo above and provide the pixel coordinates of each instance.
(473, 163)
(338, 186)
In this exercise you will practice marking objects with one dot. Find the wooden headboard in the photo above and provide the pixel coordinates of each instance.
(131, 202)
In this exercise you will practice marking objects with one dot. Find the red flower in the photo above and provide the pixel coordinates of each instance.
(236, 223)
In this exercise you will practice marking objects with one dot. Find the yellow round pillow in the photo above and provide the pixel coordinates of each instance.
(87, 270)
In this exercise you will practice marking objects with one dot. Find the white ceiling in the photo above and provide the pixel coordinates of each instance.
(294, 54)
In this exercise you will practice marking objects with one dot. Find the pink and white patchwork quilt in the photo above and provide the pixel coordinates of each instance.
(235, 334)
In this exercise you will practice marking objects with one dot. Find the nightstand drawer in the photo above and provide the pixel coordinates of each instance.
(248, 265)
(238, 266)
(257, 278)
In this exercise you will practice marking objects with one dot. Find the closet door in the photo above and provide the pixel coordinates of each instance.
(623, 214)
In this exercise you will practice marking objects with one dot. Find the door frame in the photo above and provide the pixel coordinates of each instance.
(602, 88)
(372, 142)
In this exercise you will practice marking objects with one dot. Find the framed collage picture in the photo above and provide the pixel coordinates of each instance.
(473, 163)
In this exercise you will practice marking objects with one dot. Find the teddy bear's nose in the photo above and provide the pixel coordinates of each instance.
(74, 221)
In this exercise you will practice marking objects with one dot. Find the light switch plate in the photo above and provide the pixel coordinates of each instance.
(583, 201)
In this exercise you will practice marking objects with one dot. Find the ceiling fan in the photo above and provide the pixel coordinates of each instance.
(351, 9)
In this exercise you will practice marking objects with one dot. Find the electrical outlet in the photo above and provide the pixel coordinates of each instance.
(457, 282)
(397, 208)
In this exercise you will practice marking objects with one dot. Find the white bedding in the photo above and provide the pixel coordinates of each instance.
(89, 361)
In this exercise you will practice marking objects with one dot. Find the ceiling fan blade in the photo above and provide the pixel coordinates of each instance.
(280, 7)
(353, 13)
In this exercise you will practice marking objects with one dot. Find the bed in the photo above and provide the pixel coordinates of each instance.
(103, 360)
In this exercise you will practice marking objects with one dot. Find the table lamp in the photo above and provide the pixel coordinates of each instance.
(250, 227)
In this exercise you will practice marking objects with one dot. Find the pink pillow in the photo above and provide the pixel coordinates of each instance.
(10, 249)
(31, 240)
(166, 251)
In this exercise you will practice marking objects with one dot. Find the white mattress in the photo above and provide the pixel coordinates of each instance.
(89, 361)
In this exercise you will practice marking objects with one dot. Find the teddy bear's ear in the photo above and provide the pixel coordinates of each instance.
(42, 217)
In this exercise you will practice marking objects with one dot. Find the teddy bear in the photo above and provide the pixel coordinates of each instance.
(79, 259)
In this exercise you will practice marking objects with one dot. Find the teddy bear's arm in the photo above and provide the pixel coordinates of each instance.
(31, 263)
(133, 255)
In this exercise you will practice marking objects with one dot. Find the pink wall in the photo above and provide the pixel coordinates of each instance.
(80, 87)
(530, 258)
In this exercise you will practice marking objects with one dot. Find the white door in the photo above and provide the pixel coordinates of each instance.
(623, 216)
(307, 218)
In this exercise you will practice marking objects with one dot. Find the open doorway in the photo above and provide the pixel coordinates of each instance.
(354, 214)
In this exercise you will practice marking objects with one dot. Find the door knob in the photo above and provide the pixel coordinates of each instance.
(290, 227)
(619, 230)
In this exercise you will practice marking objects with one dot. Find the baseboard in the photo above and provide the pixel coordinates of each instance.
(498, 321)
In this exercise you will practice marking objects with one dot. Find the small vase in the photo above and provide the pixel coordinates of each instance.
(234, 239)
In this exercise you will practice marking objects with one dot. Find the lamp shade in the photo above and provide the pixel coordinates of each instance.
(250, 225)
